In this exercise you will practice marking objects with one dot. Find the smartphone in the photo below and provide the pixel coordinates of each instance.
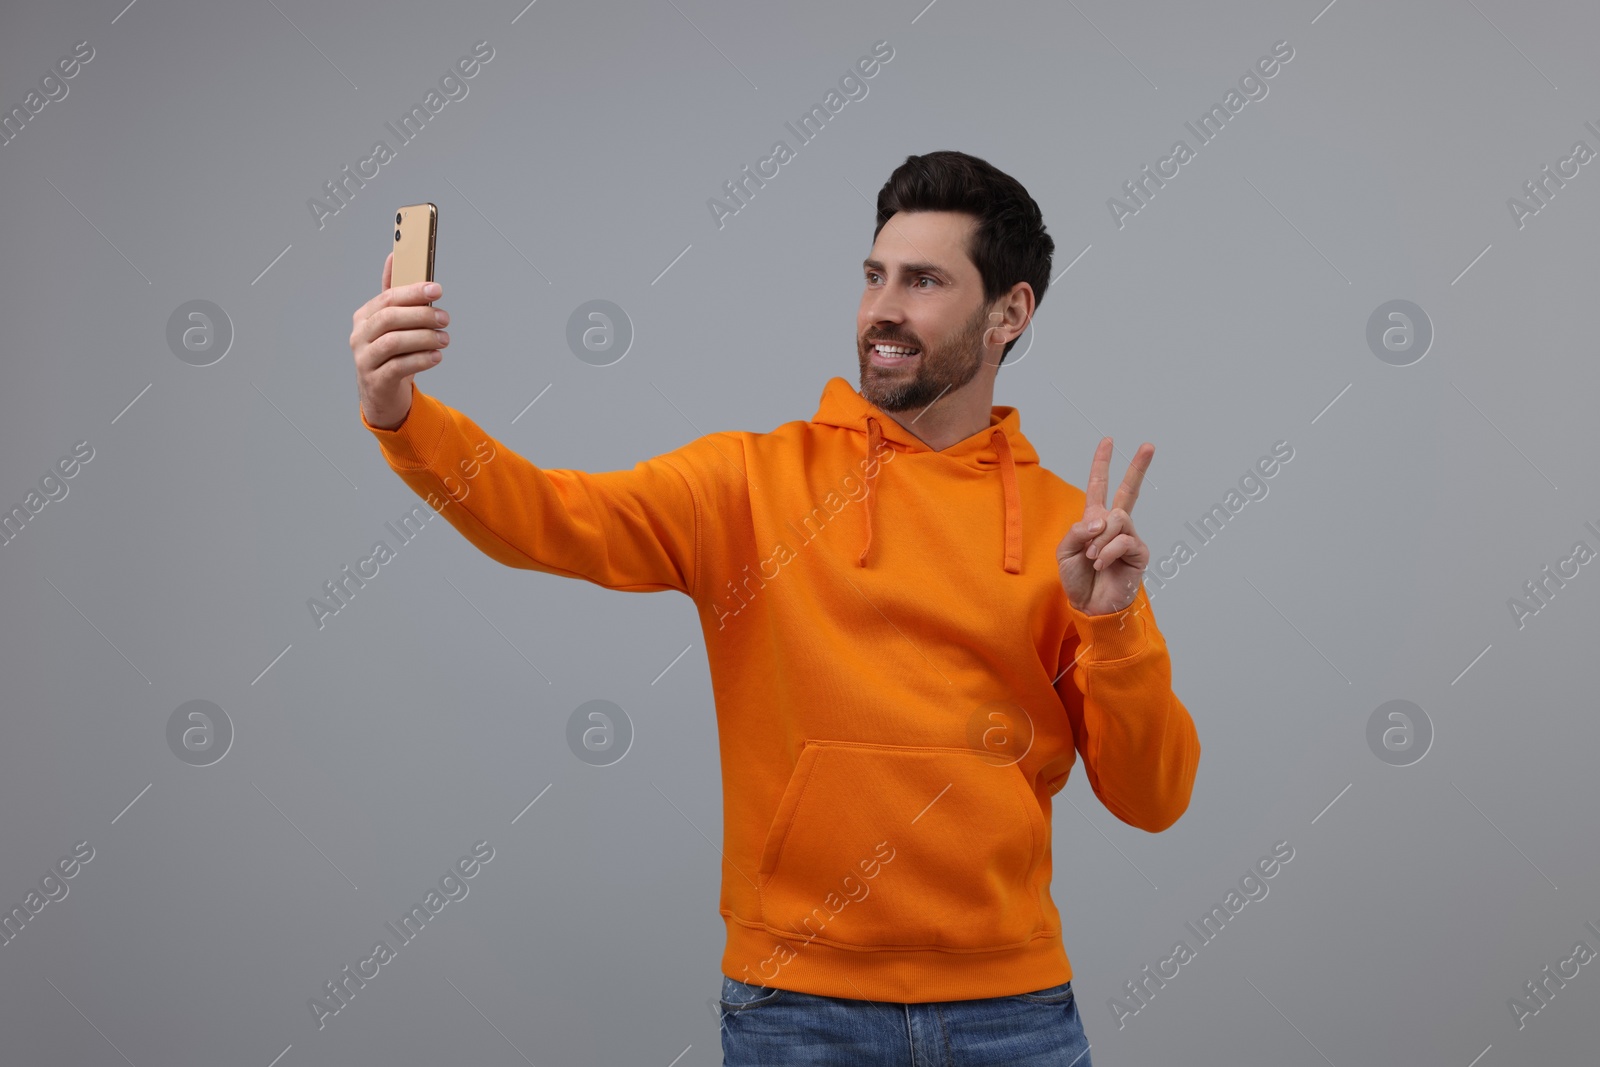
(415, 228)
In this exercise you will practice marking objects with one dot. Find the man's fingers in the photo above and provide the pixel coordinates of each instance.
(1078, 536)
(1099, 474)
(1128, 492)
(401, 343)
(398, 317)
(1117, 522)
(399, 367)
(406, 295)
(1114, 550)
(388, 271)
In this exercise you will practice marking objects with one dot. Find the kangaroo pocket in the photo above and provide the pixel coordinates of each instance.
(894, 846)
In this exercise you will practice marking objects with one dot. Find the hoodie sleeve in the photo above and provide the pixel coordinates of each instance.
(636, 530)
(1138, 742)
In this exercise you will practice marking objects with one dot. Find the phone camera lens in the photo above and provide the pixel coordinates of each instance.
(397, 218)
(397, 235)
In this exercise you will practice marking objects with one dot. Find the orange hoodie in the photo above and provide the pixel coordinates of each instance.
(901, 683)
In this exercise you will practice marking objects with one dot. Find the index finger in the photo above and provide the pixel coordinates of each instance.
(1095, 492)
(1128, 492)
(388, 271)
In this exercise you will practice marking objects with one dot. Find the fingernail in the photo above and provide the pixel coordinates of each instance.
(433, 289)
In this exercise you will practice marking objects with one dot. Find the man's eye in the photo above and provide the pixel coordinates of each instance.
(873, 276)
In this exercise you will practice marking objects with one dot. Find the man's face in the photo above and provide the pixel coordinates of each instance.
(922, 291)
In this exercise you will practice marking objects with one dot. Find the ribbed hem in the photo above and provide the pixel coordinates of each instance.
(912, 976)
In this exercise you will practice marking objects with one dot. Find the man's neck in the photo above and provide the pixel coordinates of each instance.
(955, 416)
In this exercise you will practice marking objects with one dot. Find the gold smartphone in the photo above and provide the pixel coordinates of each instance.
(415, 228)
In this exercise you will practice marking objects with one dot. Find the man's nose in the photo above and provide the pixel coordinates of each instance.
(884, 306)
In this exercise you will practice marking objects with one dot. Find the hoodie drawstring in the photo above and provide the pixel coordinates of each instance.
(874, 436)
(1008, 484)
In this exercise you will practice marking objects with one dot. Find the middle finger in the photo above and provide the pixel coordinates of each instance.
(1128, 491)
(401, 317)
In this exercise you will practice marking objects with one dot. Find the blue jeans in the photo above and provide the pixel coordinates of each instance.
(763, 1027)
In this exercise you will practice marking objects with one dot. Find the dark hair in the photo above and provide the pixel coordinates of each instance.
(1009, 245)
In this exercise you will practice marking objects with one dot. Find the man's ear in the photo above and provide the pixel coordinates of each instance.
(995, 323)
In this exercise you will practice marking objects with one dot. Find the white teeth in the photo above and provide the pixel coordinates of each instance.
(895, 351)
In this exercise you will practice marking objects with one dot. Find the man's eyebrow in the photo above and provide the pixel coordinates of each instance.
(909, 268)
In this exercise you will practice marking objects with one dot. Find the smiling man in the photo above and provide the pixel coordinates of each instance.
(946, 303)
(914, 631)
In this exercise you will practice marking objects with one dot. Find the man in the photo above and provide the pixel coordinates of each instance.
(907, 654)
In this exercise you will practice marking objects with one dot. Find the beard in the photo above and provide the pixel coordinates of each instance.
(937, 370)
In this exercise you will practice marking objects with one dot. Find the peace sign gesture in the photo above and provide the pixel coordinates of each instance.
(1101, 558)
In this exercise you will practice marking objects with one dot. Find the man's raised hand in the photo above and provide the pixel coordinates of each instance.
(393, 336)
(1101, 559)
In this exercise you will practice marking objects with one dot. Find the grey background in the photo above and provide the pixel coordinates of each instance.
(1227, 315)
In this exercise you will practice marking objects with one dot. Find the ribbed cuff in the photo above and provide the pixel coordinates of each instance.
(1115, 636)
(415, 441)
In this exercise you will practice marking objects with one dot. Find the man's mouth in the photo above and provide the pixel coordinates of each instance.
(890, 353)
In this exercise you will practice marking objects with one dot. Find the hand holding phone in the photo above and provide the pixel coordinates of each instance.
(398, 333)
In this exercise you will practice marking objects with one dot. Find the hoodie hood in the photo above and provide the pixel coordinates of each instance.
(1000, 447)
